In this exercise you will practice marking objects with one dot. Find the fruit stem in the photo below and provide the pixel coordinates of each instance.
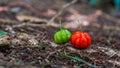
(60, 24)
(80, 25)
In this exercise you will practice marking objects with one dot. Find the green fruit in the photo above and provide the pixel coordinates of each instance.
(62, 36)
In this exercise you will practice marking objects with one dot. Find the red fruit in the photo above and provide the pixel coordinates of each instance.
(81, 40)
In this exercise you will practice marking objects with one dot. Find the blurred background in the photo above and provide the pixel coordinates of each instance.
(111, 6)
(83, 9)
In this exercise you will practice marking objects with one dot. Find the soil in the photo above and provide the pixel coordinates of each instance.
(104, 51)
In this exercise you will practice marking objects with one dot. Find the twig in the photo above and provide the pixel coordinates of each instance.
(51, 53)
(19, 25)
(61, 10)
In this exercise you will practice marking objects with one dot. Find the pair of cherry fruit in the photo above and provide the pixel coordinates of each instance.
(78, 39)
